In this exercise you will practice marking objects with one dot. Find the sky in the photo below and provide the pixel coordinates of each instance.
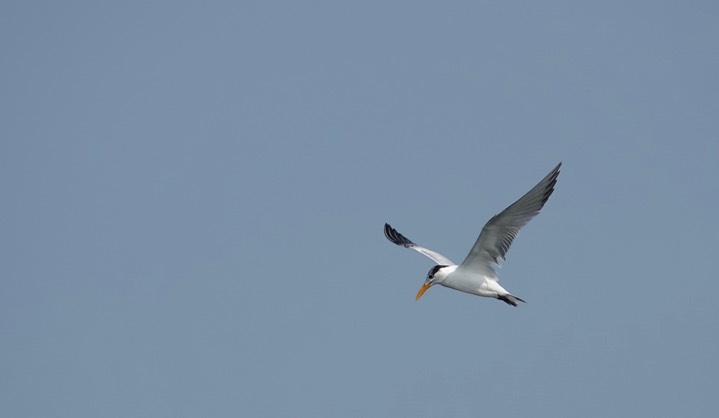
(193, 197)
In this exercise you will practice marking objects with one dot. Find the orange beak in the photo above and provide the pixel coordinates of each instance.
(422, 289)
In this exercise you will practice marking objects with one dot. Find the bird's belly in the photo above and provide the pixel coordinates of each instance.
(476, 285)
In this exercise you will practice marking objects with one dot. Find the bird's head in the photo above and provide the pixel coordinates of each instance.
(436, 274)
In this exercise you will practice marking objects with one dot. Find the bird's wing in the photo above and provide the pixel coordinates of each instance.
(405, 242)
(496, 237)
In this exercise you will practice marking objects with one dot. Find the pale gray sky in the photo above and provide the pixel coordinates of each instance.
(193, 196)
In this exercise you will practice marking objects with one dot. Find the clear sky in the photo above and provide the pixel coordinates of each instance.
(193, 196)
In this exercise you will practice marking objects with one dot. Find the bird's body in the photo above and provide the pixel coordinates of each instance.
(477, 274)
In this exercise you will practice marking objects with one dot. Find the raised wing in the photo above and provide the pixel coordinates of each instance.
(405, 242)
(496, 237)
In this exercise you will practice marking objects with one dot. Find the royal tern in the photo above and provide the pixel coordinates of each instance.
(478, 272)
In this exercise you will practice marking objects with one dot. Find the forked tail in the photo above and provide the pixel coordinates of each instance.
(510, 299)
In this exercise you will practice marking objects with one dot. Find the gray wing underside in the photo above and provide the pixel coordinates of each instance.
(490, 249)
(399, 239)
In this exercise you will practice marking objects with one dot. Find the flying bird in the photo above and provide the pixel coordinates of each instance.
(478, 272)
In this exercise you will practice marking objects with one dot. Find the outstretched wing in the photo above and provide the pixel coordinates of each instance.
(496, 237)
(405, 242)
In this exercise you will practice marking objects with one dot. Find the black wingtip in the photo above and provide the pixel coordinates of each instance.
(552, 181)
(388, 231)
(395, 236)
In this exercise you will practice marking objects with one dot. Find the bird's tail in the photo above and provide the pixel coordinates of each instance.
(510, 299)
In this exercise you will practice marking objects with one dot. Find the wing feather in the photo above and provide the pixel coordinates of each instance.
(394, 236)
(492, 245)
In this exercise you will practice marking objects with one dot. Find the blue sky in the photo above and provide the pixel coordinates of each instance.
(194, 195)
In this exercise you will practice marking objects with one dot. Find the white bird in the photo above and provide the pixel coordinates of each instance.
(478, 272)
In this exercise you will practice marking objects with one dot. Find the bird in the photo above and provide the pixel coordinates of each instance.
(477, 274)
